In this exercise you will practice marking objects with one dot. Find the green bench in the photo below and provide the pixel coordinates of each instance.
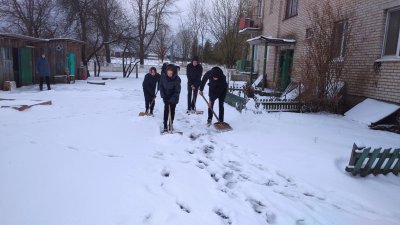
(235, 101)
(365, 161)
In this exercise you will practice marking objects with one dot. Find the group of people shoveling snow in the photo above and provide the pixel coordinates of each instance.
(169, 86)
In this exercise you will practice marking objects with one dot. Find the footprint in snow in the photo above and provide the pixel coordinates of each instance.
(300, 222)
(215, 177)
(270, 217)
(190, 152)
(233, 165)
(228, 175)
(208, 149)
(73, 148)
(158, 155)
(256, 205)
(165, 173)
(223, 216)
(183, 207)
(112, 156)
(201, 164)
(194, 137)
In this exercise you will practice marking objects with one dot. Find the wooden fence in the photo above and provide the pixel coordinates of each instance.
(272, 105)
(365, 161)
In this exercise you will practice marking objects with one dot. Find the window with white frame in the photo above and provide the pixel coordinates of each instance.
(392, 35)
(291, 8)
(340, 39)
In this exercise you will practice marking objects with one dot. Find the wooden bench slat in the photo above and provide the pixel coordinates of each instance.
(378, 167)
(360, 161)
(396, 167)
(387, 169)
(367, 169)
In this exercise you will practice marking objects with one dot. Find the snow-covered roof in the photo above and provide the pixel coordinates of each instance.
(66, 39)
(249, 29)
(33, 39)
(270, 40)
(20, 36)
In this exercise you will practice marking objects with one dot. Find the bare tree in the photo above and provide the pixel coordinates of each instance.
(129, 51)
(328, 47)
(198, 22)
(80, 19)
(184, 42)
(149, 16)
(163, 42)
(109, 19)
(36, 18)
(224, 27)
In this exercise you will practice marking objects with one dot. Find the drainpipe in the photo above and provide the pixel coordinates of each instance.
(253, 47)
(265, 64)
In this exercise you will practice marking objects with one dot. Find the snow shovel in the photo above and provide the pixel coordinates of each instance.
(147, 112)
(171, 128)
(221, 126)
(194, 98)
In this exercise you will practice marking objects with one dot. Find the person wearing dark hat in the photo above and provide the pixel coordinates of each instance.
(218, 87)
(194, 73)
(170, 88)
(43, 70)
(150, 85)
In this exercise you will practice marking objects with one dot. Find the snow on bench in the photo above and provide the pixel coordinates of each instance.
(365, 161)
(96, 82)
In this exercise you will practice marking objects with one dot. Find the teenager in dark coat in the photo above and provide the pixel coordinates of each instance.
(170, 88)
(150, 85)
(43, 70)
(218, 87)
(194, 73)
(164, 68)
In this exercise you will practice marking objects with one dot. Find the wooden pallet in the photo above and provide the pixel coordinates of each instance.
(364, 161)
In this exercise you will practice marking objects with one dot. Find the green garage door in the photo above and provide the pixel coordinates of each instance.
(25, 63)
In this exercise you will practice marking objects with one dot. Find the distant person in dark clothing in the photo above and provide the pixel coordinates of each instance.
(164, 68)
(194, 73)
(218, 87)
(43, 70)
(170, 88)
(150, 85)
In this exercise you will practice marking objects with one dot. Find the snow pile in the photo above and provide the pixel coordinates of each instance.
(89, 159)
(371, 111)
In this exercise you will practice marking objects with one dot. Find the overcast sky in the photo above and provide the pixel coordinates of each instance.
(182, 7)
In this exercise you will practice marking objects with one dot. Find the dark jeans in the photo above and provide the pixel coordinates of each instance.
(47, 82)
(192, 102)
(221, 109)
(166, 114)
(148, 102)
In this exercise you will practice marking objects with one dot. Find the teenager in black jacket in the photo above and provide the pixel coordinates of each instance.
(194, 73)
(170, 88)
(150, 85)
(218, 87)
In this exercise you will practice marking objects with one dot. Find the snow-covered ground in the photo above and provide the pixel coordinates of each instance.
(89, 159)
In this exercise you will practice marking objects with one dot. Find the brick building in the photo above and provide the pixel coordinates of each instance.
(373, 69)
